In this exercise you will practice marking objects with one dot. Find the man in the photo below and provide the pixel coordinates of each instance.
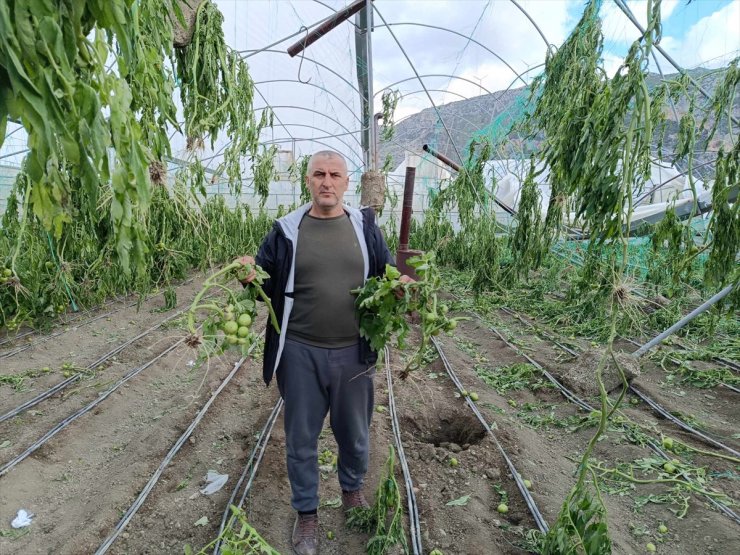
(315, 256)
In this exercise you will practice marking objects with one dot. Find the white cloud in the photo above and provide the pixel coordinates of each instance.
(711, 42)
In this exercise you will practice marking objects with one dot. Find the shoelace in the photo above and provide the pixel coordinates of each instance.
(354, 498)
(308, 527)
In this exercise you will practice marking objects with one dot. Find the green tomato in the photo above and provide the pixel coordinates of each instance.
(453, 462)
(244, 320)
(228, 316)
(650, 547)
(232, 339)
(7, 272)
(503, 508)
(230, 327)
(527, 484)
(451, 325)
(242, 340)
(669, 468)
(243, 331)
(663, 529)
(473, 396)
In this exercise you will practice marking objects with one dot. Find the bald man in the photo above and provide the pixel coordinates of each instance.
(315, 256)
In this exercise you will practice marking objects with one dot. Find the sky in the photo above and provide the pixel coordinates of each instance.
(505, 42)
(315, 95)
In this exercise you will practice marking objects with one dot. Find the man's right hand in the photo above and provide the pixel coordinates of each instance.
(247, 260)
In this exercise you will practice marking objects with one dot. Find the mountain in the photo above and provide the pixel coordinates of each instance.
(494, 114)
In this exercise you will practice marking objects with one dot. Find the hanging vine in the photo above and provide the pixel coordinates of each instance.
(263, 172)
(390, 100)
(217, 93)
(52, 72)
(526, 242)
(724, 227)
(598, 135)
(468, 190)
(150, 75)
(565, 94)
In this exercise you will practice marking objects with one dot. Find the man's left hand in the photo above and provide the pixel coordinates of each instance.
(403, 279)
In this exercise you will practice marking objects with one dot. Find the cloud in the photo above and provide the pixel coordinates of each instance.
(499, 26)
(713, 41)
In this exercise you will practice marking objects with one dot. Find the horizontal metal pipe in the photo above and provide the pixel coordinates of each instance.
(328, 25)
(441, 157)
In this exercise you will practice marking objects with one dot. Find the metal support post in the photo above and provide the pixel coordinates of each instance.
(404, 253)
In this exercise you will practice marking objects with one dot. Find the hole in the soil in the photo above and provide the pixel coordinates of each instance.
(439, 429)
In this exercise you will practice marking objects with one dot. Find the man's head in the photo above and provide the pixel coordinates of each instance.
(327, 179)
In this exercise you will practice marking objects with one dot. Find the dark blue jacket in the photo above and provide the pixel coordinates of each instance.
(277, 257)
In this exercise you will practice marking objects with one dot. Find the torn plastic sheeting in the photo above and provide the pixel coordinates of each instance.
(214, 482)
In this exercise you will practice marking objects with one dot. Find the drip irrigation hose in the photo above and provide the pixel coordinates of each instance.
(410, 496)
(570, 396)
(57, 333)
(79, 316)
(168, 458)
(677, 362)
(652, 403)
(72, 379)
(567, 393)
(250, 468)
(87, 408)
(681, 424)
(529, 500)
(45, 338)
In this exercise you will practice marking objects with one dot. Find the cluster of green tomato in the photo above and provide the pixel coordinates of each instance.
(435, 322)
(5, 274)
(235, 326)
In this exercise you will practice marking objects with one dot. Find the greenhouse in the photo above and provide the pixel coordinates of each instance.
(369, 276)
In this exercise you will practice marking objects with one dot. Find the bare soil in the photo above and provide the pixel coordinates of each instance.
(80, 482)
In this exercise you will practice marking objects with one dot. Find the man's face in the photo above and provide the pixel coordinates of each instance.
(327, 180)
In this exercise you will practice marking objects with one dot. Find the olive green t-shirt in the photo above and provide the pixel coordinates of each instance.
(328, 265)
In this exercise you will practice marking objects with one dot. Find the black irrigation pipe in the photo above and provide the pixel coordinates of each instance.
(66, 322)
(567, 393)
(575, 353)
(681, 424)
(57, 333)
(720, 361)
(45, 338)
(168, 458)
(72, 379)
(87, 408)
(528, 499)
(571, 396)
(410, 496)
(255, 458)
(651, 402)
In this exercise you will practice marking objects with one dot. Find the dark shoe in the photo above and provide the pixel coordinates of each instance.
(354, 499)
(306, 535)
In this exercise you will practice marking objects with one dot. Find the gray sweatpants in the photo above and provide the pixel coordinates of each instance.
(312, 381)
